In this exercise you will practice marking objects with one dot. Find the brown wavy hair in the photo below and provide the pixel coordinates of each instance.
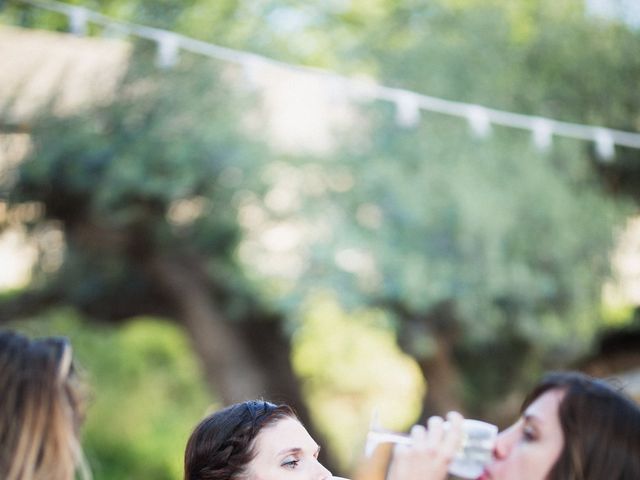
(222, 445)
(41, 410)
(600, 425)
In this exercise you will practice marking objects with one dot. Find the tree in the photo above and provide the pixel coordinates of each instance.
(145, 191)
(490, 254)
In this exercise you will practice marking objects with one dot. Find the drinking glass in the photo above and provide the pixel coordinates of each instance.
(474, 453)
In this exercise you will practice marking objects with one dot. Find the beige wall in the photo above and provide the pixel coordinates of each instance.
(35, 64)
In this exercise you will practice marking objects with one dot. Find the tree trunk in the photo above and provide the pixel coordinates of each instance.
(443, 380)
(430, 338)
(242, 360)
(228, 364)
(271, 348)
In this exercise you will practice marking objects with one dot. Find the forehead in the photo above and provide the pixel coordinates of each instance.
(286, 433)
(545, 407)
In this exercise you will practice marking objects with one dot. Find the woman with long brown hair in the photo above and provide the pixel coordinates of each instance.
(571, 427)
(41, 410)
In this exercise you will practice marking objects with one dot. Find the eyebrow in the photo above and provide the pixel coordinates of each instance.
(532, 418)
(294, 450)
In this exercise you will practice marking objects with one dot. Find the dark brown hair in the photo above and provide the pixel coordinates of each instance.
(41, 410)
(601, 428)
(222, 444)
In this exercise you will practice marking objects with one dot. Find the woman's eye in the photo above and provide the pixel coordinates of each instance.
(529, 434)
(291, 464)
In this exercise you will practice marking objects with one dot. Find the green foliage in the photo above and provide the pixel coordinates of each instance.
(513, 223)
(155, 170)
(616, 315)
(129, 160)
(518, 239)
(262, 26)
(350, 376)
(499, 227)
(146, 388)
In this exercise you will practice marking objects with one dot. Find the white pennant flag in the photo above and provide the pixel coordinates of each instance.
(479, 121)
(168, 49)
(542, 133)
(407, 110)
(78, 17)
(605, 147)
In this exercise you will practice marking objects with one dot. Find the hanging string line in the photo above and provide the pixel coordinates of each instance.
(408, 103)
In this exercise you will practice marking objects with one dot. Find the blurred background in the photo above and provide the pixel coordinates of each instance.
(230, 205)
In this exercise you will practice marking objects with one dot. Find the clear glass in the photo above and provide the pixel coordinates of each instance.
(475, 452)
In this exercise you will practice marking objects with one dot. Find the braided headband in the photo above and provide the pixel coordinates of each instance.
(259, 411)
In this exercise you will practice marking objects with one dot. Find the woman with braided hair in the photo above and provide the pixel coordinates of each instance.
(253, 440)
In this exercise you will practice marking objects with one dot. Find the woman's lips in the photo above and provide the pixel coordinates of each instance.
(485, 476)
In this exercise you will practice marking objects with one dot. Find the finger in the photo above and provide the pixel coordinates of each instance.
(454, 436)
(435, 432)
(419, 437)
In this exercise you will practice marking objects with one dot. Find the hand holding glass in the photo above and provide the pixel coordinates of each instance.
(476, 448)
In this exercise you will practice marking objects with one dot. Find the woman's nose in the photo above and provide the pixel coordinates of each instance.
(505, 441)
(323, 473)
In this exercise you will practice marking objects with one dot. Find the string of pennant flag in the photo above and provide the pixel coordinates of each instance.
(408, 104)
